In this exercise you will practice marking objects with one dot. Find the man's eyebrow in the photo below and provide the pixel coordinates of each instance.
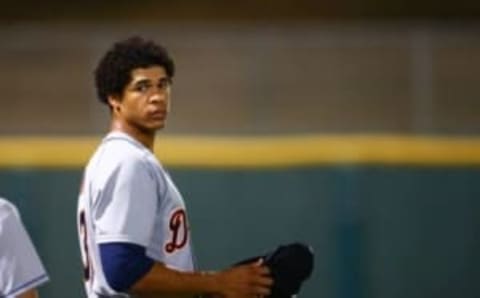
(146, 80)
(141, 81)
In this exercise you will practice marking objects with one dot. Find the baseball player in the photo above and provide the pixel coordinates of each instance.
(132, 221)
(21, 270)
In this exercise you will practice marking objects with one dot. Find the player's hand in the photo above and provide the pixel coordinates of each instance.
(250, 280)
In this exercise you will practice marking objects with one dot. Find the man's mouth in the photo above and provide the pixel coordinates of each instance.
(159, 114)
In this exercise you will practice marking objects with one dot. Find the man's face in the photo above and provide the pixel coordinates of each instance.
(145, 102)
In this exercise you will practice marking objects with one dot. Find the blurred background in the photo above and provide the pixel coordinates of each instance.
(382, 222)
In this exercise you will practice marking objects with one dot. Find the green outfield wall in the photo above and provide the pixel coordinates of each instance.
(379, 230)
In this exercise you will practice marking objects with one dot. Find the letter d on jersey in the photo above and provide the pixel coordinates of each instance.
(179, 231)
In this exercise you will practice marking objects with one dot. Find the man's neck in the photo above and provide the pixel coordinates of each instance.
(145, 138)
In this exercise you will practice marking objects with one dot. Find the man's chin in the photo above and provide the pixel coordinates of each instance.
(152, 128)
(157, 126)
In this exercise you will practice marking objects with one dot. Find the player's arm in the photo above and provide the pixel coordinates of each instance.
(32, 293)
(250, 280)
(129, 220)
(128, 269)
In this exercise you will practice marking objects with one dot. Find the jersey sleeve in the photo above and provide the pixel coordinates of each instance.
(130, 203)
(21, 268)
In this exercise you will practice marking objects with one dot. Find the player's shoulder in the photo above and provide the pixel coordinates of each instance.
(7, 209)
(120, 147)
(119, 150)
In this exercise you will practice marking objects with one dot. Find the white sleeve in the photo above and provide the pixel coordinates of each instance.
(20, 266)
(131, 203)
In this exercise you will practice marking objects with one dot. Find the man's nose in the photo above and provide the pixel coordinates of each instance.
(158, 95)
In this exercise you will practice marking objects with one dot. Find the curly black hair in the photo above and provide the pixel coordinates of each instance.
(113, 72)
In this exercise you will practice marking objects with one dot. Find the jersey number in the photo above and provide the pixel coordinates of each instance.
(179, 229)
(85, 257)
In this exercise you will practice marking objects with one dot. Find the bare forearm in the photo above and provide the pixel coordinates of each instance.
(161, 279)
(29, 294)
(249, 280)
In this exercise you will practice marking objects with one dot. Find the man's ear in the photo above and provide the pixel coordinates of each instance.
(114, 102)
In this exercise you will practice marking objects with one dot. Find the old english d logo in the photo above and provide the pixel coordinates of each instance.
(179, 231)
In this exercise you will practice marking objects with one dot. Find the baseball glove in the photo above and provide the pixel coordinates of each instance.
(290, 265)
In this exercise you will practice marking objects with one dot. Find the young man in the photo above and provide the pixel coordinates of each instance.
(132, 221)
(21, 270)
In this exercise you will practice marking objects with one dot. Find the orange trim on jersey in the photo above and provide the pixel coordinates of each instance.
(254, 152)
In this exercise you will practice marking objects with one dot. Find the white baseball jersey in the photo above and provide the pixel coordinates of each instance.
(20, 266)
(127, 196)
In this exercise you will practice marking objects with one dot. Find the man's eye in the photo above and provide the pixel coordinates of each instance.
(163, 84)
(141, 88)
